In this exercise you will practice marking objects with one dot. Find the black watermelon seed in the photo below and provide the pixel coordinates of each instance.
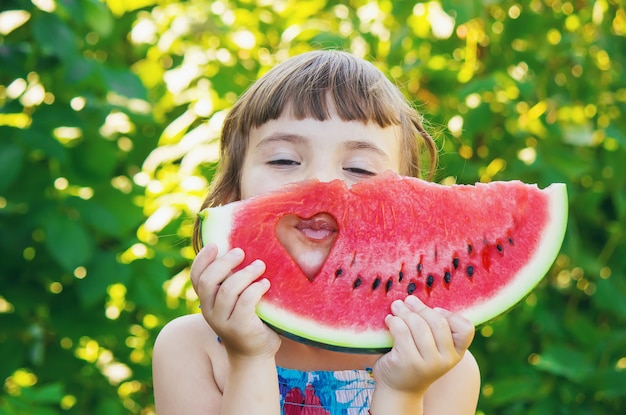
(430, 280)
(411, 288)
(338, 272)
(499, 247)
(357, 282)
(400, 276)
(511, 241)
(470, 249)
(419, 267)
(376, 283)
(455, 263)
(388, 285)
(447, 277)
(470, 270)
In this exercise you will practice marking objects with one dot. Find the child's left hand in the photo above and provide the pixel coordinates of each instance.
(427, 344)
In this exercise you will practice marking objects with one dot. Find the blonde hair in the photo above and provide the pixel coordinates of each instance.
(310, 84)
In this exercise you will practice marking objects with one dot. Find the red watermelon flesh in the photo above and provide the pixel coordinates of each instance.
(476, 250)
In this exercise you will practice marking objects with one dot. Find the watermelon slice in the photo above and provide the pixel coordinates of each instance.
(475, 250)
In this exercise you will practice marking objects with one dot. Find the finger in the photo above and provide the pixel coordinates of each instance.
(249, 299)
(462, 329)
(212, 276)
(232, 288)
(419, 335)
(403, 344)
(203, 259)
(438, 324)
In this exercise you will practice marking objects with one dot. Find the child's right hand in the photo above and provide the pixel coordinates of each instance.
(229, 299)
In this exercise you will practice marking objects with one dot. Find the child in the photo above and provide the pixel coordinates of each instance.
(325, 115)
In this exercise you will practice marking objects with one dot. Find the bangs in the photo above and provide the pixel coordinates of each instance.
(316, 84)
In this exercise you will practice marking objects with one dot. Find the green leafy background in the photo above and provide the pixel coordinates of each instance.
(109, 111)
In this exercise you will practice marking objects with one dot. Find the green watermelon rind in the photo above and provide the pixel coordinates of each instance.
(217, 224)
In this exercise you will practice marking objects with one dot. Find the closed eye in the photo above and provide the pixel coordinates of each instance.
(361, 172)
(283, 162)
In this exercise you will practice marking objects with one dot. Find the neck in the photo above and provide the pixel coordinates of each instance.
(294, 355)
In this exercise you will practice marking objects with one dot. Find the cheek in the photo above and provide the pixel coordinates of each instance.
(249, 187)
(256, 184)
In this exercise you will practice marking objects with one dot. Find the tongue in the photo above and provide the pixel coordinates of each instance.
(317, 234)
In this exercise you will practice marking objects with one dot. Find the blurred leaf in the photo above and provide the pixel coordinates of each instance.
(610, 296)
(53, 36)
(10, 346)
(123, 82)
(102, 271)
(462, 10)
(610, 383)
(563, 361)
(95, 158)
(99, 17)
(13, 58)
(43, 141)
(515, 389)
(11, 161)
(146, 289)
(110, 406)
(68, 242)
(80, 69)
(48, 393)
(97, 217)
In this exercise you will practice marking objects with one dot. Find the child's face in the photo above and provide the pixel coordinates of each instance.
(288, 150)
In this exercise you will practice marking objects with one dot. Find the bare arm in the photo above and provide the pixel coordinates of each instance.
(194, 374)
(184, 379)
(457, 391)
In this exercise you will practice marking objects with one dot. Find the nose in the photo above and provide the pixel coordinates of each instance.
(323, 171)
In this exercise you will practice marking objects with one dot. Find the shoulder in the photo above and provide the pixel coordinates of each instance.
(186, 366)
(463, 382)
(188, 337)
(189, 326)
(190, 333)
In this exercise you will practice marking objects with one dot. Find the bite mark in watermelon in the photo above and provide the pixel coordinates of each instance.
(472, 249)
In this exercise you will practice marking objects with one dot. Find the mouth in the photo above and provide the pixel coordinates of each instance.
(318, 227)
(308, 240)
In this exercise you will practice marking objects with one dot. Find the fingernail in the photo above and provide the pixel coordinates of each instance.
(236, 253)
(413, 300)
(396, 305)
(258, 264)
(210, 246)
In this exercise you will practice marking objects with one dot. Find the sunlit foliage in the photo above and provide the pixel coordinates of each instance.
(109, 115)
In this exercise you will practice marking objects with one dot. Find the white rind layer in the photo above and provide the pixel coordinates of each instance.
(216, 226)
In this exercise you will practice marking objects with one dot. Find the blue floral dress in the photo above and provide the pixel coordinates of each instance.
(344, 392)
